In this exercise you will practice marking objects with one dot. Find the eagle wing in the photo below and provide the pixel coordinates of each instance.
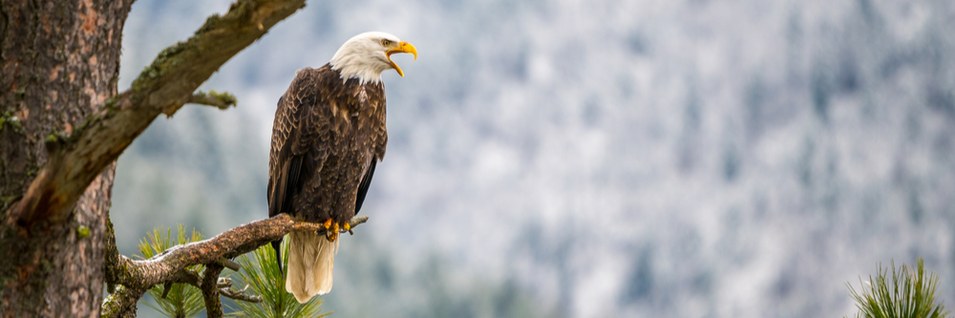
(372, 97)
(365, 184)
(292, 140)
(292, 153)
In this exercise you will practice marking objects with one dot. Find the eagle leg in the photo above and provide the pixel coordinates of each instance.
(331, 230)
(334, 236)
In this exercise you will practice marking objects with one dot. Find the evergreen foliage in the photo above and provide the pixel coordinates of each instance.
(182, 300)
(262, 275)
(910, 295)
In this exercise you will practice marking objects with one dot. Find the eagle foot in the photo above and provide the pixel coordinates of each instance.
(331, 230)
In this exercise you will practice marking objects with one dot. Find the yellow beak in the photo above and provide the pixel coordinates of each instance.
(403, 47)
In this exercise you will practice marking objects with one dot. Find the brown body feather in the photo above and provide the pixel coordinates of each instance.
(327, 136)
(327, 132)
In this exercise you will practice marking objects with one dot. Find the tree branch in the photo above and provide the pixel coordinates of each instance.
(210, 290)
(229, 264)
(213, 98)
(240, 294)
(224, 282)
(163, 87)
(121, 303)
(172, 265)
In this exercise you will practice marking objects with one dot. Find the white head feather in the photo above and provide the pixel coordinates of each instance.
(366, 55)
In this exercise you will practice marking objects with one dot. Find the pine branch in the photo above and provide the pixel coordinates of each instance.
(172, 265)
(262, 275)
(909, 294)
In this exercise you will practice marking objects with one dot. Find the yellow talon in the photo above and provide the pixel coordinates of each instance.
(332, 233)
(328, 223)
(347, 226)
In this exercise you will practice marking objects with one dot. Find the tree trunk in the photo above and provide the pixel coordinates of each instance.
(59, 62)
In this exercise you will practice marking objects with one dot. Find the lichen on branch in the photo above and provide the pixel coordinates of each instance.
(213, 98)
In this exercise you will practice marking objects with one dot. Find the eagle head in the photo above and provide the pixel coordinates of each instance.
(366, 55)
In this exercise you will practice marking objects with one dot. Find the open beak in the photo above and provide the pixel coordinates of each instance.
(403, 47)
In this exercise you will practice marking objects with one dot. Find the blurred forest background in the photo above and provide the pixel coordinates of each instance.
(593, 158)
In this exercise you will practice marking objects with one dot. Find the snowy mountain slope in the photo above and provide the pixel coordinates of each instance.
(595, 158)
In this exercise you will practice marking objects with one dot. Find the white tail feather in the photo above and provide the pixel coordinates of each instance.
(311, 258)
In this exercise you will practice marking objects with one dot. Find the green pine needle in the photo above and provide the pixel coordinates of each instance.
(261, 273)
(910, 294)
(183, 300)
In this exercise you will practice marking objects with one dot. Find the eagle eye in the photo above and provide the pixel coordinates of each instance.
(386, 42)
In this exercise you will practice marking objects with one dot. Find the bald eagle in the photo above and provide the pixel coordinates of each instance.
(328, 135)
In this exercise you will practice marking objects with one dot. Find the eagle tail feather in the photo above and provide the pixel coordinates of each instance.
(310, 262)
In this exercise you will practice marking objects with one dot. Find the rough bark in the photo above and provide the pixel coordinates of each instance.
(122, 303)
(210, 290)
(59, 60)
(63, 125)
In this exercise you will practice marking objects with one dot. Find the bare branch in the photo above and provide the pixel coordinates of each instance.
(184, 276)
(224, 282)
(240, 295)
(237, 241)
(166, 287)
(213, 98)
(226, 290)
(210, 290)
(228, 263)
(163, 87)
